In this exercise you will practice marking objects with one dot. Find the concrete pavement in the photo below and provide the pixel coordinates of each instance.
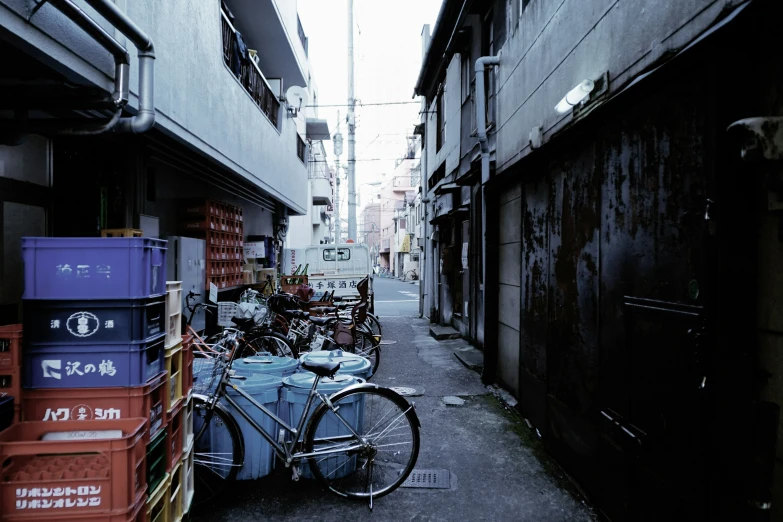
(498, 469)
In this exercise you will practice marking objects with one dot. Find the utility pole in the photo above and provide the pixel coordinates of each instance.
(338, 150)
(351, 132)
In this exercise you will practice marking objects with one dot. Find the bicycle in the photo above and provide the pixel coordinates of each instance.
(410, 274)
(361, 442)
(257, 336)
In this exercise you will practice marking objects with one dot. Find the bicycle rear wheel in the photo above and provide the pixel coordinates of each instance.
(218, 450)
(376, 463)
(365, 345)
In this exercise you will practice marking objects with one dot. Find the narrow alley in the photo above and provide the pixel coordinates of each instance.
(497, 468)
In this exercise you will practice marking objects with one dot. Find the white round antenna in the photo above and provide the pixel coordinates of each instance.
(296, 97)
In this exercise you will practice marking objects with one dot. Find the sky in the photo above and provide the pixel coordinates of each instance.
(387, 50)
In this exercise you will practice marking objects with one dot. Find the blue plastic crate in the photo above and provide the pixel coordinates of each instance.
(259, 454)
(100, 365)
(94, 321)
(93, 268)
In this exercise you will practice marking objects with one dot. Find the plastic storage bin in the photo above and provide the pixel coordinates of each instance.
(11, 383)
(187, 365)
(10, 346)
(176, 492)
(132, 514)
(265, 364)
(187, 423)
(293, 397)
(189, 481)
(64, 404)
(158, 502)
(259, 454)
(101, 365)
(94, 321)
(174, 437)
(93, 268)
(352, 364)
(90, 477)
(6, 411)
(156, 460)
(173, 367)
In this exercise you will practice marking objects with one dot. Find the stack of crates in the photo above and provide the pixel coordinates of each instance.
(179, 408)
(222, 226)
(10, 374)
(96, 325)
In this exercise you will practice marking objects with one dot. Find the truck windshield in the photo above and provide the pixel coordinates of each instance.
(343, 254)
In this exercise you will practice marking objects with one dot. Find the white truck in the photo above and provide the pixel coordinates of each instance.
(332, 268)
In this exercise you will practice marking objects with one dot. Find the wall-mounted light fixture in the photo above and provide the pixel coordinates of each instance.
(575, 96)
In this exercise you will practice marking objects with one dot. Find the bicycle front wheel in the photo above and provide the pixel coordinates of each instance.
(218, 450)
(270, 342)
(380, 459)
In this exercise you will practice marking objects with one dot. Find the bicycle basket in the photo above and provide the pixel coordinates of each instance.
(226, 311)
(206, 372)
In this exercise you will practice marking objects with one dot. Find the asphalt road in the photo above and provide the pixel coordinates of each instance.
(395, 298)
(497, 468)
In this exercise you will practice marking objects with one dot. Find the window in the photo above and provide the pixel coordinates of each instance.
(343, 254)
(441, 121)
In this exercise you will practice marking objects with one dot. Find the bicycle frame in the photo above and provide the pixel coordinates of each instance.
(284, 450)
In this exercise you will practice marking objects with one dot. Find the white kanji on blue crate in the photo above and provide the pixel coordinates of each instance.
(83, 324)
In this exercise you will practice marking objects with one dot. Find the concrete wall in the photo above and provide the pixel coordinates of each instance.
(556, 45)
(217, 116)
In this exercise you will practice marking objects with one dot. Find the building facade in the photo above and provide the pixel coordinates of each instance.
(593, 226)
(117, 112)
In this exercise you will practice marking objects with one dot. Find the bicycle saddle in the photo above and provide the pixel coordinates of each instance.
(321, 321)
(326, 369)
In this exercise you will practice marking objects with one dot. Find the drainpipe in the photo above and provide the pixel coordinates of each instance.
(481, 113)
(145, 118)
(481, 126)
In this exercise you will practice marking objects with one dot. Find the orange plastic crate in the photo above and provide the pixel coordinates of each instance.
(81, 404)
(11, 383)
(71, 477)
(10, 346)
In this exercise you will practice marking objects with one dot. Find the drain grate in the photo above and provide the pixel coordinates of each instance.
(428, 478)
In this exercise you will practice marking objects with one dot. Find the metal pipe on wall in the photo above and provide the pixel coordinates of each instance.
(145, 118)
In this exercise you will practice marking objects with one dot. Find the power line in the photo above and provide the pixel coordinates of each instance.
(368, 159)
(373, 104)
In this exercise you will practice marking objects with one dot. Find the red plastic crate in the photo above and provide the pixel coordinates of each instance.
(174, 437)
(71, 477)
(10, 346)
(133, 514)
(11, 383)
(82, 404)
(187, 364)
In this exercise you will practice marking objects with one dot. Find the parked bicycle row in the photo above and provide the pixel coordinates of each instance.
(284, 383)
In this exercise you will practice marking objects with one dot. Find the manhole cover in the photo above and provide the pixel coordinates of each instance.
(387, 343)
(428, 478)
(406, 391)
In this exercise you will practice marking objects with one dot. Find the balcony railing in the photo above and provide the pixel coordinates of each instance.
(248, 73)
(301, 149)
(302, 37)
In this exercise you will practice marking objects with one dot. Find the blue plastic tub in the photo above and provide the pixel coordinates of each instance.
(100, 365)
(266, 364)
(93, 267)
(352, 364)
(259, 454)
(293, 397)
(94, 321)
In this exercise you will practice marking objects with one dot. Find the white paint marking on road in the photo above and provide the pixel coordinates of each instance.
(409, 294)
(400, 301)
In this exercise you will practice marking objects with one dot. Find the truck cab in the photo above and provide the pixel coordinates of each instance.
(332, 268)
